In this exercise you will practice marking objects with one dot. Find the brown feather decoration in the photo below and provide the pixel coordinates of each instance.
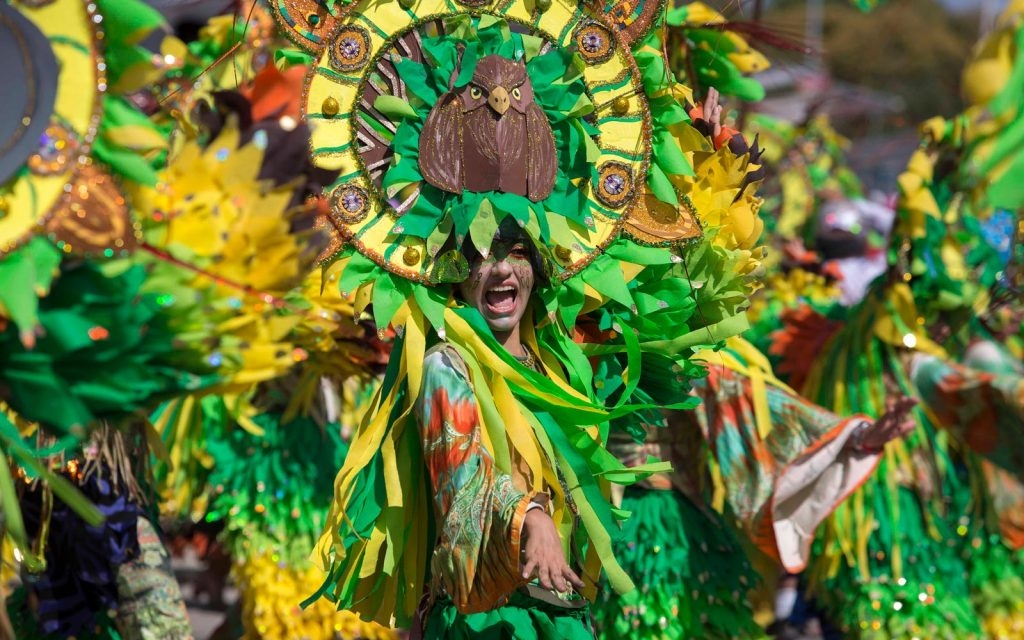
(443, 129)
(490, 135)
(542, 166)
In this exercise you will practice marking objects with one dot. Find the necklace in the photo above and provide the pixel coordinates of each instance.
(528, 361)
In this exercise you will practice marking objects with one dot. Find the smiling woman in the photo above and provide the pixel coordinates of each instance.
(477, 565)
(501, 281)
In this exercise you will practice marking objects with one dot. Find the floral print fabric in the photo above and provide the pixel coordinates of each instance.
(479, 508)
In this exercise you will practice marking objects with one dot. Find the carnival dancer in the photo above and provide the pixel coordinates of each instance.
(932, 529)
(754, 465)
(484, 209)
(752, 449)
(84, 349)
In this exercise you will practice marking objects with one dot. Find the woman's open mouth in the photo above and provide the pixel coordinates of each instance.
(501, 300)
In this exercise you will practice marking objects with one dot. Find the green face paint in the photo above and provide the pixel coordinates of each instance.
(499, 285)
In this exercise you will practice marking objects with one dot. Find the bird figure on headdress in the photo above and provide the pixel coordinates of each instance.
(490, 135)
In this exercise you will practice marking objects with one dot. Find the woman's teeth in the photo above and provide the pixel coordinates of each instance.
(501, 299)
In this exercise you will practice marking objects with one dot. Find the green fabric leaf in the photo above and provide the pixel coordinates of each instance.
(418, 81)
(462, 215)
(717, 70)
(15, 523)
(389, 292)
(591, 152)
(487, 20)
(286, 58)
(677, 15)
(532, 46)
(484, 226)
(666, 112)
(669, 157)
(359, 270)
(1010, 97)
(125, 163)
(432, 301)
(467, 67)
(26, 274)
(570, 300)
(627, 251)
(660, 185)
(653, 72)
(128, 20)
(438, 239)
(417, 223)
(394, 107)
(605, 275)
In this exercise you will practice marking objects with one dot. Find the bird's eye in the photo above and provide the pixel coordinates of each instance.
(516, 94)
(475, 93)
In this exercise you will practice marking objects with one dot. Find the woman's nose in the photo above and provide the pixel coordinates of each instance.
(502, 267)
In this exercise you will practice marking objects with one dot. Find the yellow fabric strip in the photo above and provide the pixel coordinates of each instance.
(468, 337)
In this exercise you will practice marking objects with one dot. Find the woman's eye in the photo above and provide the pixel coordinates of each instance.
(519, 251)
(475, 92)
(516, 94)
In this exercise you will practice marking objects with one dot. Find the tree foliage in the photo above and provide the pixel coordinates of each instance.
(912, 48)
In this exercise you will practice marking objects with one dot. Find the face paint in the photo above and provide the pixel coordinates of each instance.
(499, 286)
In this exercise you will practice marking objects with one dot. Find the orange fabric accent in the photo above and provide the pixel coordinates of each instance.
(275, 94)
(725, 136)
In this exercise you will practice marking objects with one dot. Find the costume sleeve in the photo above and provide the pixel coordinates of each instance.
(984, 409)
(782, 485)
(479, 510)
(1006, 493)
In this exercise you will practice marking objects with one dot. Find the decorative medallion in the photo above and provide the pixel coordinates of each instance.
(350, 203)
(49, 108)
(57, 151)
(614, 184)
(350, 49)
(632, 19)
(307, 23)
(595, 43)
(94, 219)
(656, 223)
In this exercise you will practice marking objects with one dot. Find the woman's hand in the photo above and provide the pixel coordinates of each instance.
(542, 555)
(713, 112)
(896, 422)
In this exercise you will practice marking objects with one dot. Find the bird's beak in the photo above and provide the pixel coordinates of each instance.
(499, 100)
